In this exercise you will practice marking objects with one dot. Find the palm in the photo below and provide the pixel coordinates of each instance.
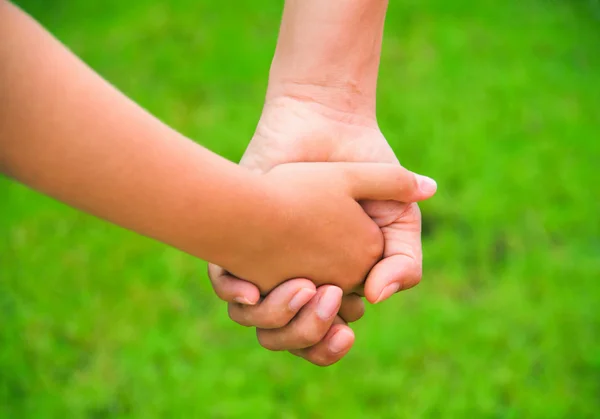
(293, 131)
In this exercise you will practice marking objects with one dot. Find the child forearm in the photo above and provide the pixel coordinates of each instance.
(67, 133)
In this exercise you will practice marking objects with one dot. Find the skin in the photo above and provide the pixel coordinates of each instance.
(320, 106)
(66, 132)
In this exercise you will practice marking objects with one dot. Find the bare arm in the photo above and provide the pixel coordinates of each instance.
(67, 133)
(322, 81)
(328, 52)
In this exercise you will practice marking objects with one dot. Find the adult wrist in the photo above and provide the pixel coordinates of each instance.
(343, 96)
(328, 52)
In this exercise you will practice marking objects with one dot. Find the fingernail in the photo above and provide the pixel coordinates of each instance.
(340, 341)
(388, 291)
(329, 303)
(427, 185)
(301, 298)
(244, 301)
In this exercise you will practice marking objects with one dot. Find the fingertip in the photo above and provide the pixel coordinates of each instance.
(341, 340)
(329, 302)
(234, 290)
(333, 290)
(380, 291)
(245, 301)
(298, 283)
(427, 186)
(372, 296)
(295, 293)
(382, 280)
(249, 298)
(388, 291)
(352, 308)
(301, 298)
(332, 348)
(231, 289)
(390, 275)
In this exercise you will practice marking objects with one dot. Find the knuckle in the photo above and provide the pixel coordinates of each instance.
(212, 271)
(411, 216)
(352, 310)
(373, 245)
(349, 283)
(323, 360)
(264, 340)
(221, 294)
(273, 322)
(417, 276)
(309, 337)
(317, 356)
(368, 254)
(237, 315)
(257, 316)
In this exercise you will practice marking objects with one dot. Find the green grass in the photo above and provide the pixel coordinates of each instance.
(498, 101)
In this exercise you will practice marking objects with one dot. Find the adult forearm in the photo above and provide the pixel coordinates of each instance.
(329, 52)
(67, 133)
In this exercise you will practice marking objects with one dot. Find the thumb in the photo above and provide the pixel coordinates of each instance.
(381, 181)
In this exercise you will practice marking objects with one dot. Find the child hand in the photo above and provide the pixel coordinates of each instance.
(318, 229)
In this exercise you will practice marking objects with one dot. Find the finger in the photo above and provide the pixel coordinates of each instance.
(309, 326)
(359, 290)
(352, 308)
(278, 308)
(231, 289)
(335, 345)
(379, 181)
(390, 275)
(402, 264)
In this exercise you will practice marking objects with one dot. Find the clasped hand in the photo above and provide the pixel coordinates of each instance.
(303, 315)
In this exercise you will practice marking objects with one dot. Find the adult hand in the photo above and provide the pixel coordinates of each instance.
(321, 107)
(293, 129)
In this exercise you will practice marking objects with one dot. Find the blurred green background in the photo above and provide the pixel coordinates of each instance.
(498, 101)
